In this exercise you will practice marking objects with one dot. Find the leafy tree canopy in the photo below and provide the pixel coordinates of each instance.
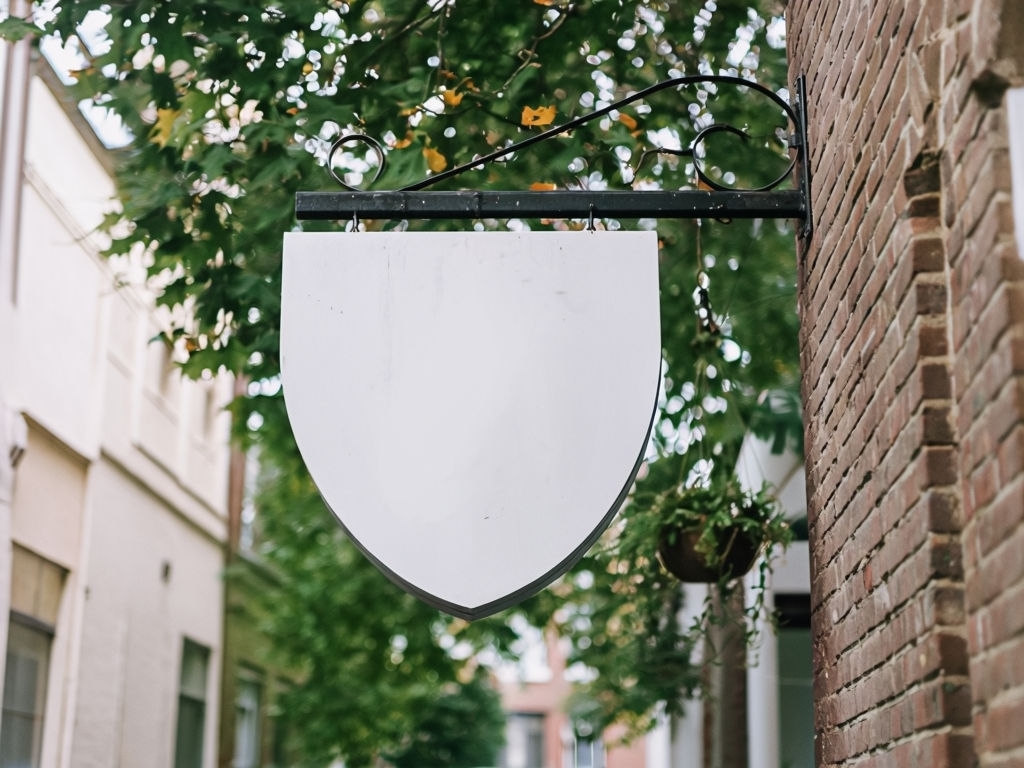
(456, 729)
(234, 105)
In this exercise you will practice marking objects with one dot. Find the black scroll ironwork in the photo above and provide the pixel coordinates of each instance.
(716, 201)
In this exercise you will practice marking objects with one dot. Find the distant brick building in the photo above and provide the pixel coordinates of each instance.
(912, 343)
(539, 730)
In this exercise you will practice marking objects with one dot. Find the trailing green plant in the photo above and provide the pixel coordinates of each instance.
(712, 532)
(715, 533)
(723, 519)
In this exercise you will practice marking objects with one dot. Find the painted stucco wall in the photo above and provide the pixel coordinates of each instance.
(123, 484)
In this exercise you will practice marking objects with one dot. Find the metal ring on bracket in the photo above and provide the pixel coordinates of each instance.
(711, 183)
(358, 138)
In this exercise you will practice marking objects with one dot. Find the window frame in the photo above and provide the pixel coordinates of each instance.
(39, 630)
(192, 701)
(533, 725)
(246, 678)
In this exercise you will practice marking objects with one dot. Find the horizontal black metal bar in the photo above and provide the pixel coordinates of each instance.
(683, 204)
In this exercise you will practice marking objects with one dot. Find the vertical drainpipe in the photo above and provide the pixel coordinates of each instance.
(17, 72)
(229, 651)
(236, 475)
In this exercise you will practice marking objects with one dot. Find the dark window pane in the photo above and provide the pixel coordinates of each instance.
(524, 741)
(188, 747)
(247, 723)
(189, 750)
(24, 699)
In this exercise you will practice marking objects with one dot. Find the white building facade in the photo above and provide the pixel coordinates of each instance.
(113, 473)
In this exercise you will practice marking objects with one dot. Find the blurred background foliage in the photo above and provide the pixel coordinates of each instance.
(233, 107)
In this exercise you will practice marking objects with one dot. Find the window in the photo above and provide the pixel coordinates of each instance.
(282, 753)
(589, 754)
(584, 751)
(524, 741)
(188, 749)
(796, 700)
(247, 721)
(28, 666)
(278, 749)
(36, 587)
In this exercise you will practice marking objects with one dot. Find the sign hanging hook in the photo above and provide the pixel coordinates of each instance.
(350, 138)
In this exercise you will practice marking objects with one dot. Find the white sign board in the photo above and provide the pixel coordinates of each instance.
(473, 407)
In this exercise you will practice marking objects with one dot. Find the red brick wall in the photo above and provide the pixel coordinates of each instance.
(912, 343)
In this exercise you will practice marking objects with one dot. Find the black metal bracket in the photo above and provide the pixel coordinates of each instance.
(713, 201)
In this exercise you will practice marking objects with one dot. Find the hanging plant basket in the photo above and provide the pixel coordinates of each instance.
(714, 533)
(679, 553)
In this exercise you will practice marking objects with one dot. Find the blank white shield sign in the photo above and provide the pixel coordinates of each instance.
(473, 407)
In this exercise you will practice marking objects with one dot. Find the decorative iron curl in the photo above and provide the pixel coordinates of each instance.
(676, 82)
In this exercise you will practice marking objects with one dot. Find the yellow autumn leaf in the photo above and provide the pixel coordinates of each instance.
(436, 162)
(538, 116)
(545, 2)
(543, 186)
(628, 120)
(161, 130)
(402, 143)
(451, 98)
